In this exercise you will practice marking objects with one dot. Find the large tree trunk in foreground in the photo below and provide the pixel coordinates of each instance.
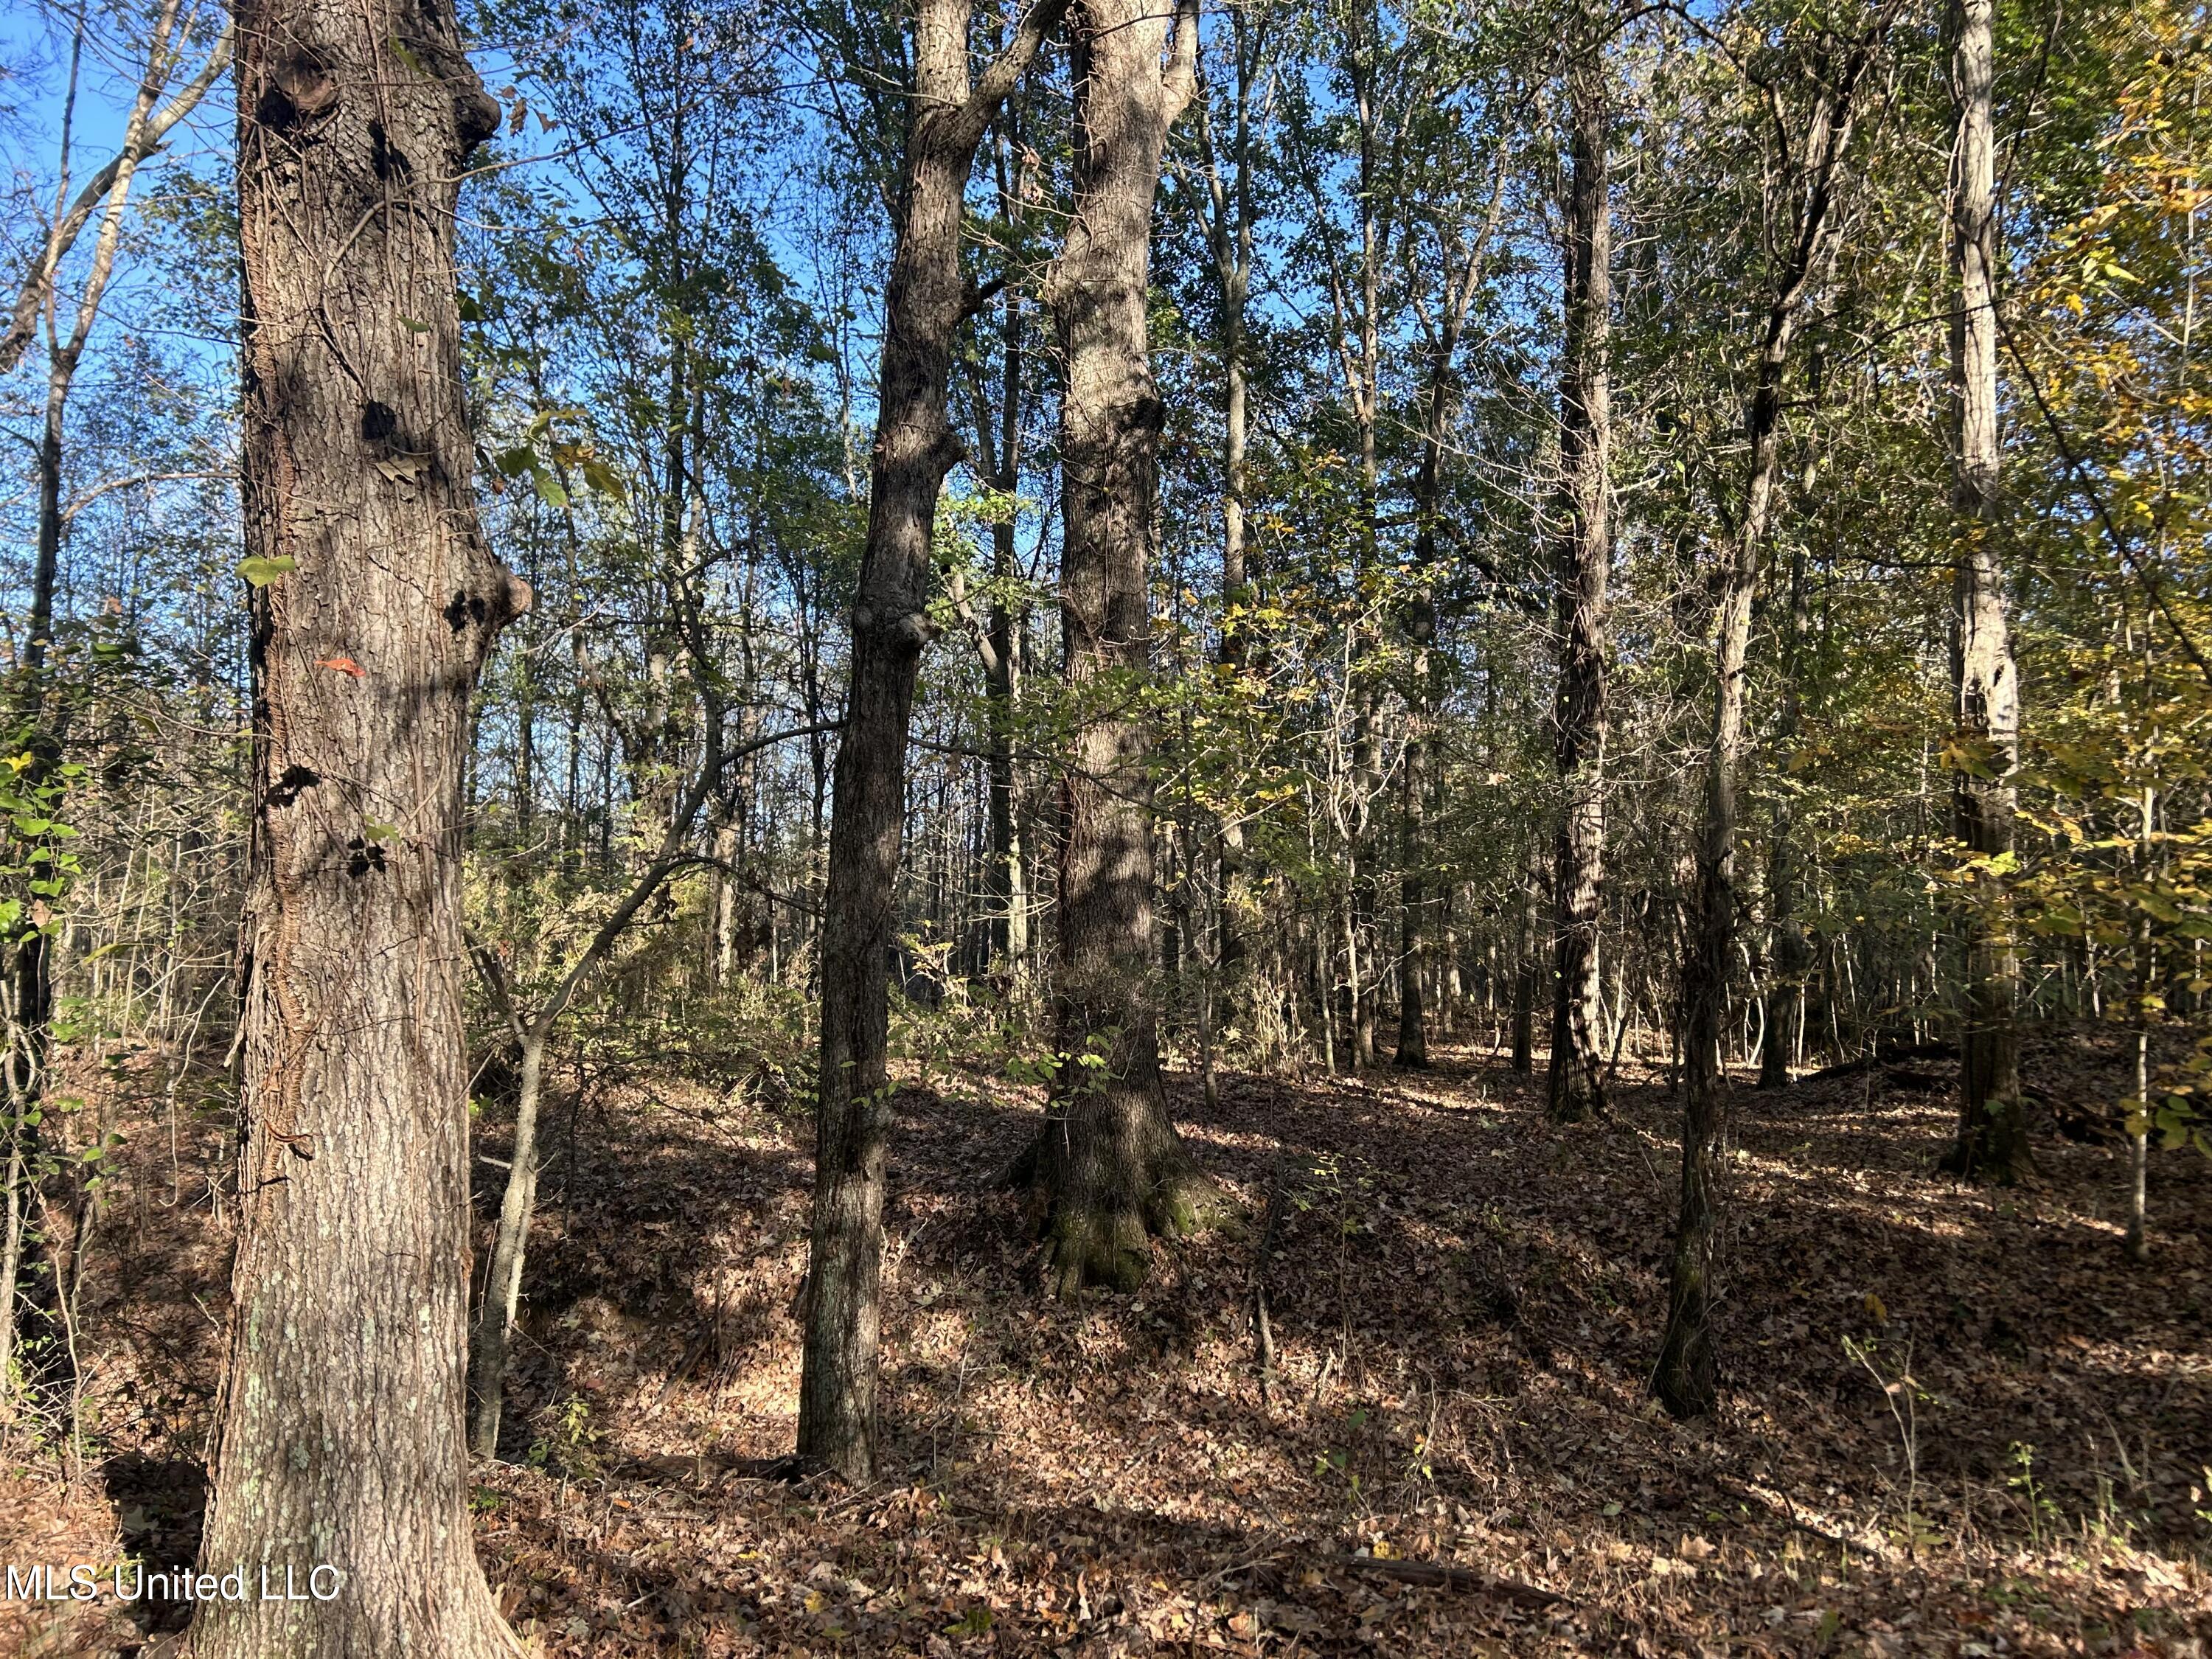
(1687, 1377)
(914, 448)
(1110, 1168)
(341, 1430)
(1992, 1139)
(1576, 1088)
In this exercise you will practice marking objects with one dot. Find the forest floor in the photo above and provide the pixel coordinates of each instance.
(1456, 1454)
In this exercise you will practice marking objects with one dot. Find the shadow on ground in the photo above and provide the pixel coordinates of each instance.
(1955, 1421)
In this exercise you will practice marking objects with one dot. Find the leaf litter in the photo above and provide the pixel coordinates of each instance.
(1453, 1452)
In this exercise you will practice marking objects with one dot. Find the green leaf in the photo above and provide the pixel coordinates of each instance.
(548, 488)
(260, 572)
(603, 478)
(378, 831)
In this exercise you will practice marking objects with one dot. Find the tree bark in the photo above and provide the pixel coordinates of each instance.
(1991, 1143)
(1108, 1168)
(340, 1438)
(1687, 1377)
(914, 448)
(1576, 1088)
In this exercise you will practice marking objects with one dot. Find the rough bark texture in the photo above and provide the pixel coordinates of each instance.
(1576, 1088)
(1992, 1140)
(1108, 1168)
(1687, 1379)
(341, 1439)
(914, 448)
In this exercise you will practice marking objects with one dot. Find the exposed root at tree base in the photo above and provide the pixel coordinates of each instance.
(1107, 1239)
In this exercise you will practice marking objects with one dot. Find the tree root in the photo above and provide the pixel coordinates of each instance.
(1106, 1238)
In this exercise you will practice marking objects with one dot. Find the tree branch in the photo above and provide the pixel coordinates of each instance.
(23, 323)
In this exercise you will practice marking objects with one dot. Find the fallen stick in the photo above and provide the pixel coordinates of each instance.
(705, 1468)
(692, 1355)
(1440, 1573)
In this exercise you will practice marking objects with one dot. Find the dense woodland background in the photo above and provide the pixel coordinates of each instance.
(1642, 765)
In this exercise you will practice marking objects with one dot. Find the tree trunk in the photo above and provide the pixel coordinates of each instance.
(914, 448)
(2137, 1238)
(1788, 955)
(510, 1246)
(1413, 1051)
(1576, 1088)
(1366, 978)
(340, 1434)
(1992, 1138)
(1004, 886)
(1108, 1168)
(1461, 272)
(20, 1146)
(1228, 232)
(731, 912)
(1687, 1377)
(1524, 962)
